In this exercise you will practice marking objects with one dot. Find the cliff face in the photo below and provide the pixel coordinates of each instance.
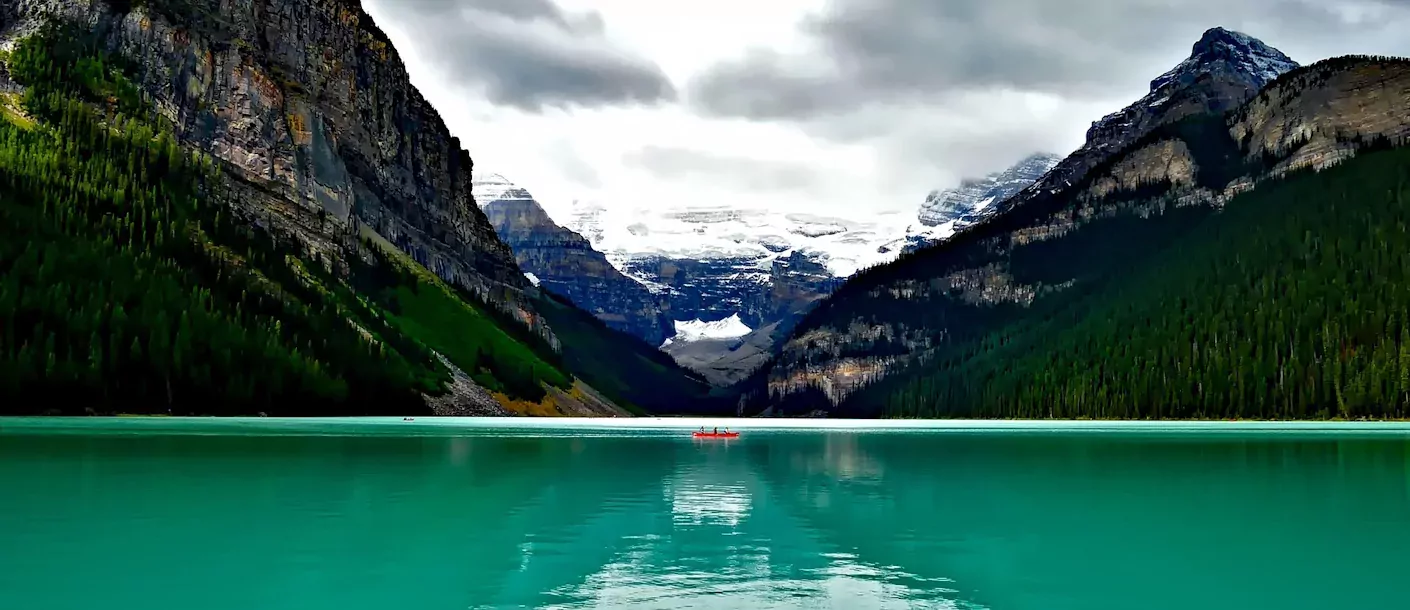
(1318, 115)
(893, 317)
(1224, 69)
(311, 110)
(564, 262)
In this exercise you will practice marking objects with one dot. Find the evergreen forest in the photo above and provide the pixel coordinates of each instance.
(1292, 302)
(129, 285)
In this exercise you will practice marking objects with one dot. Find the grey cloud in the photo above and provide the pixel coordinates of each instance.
(566, 157)
(879, 52)
(676, 163)
(528, 54)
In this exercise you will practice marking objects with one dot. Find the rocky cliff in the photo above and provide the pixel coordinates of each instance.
(1224, 69)
(311, 111)
(889, 318)
(564, 262)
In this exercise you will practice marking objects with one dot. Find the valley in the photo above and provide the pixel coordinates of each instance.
(238, 216)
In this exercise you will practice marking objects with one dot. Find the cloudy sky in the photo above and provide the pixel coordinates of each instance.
(832, 106)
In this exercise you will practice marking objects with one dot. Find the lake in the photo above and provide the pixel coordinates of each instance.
(161, 514)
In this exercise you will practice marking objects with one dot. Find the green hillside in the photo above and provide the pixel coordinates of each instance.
(128, 287)
(1290, 303)
(500, 354)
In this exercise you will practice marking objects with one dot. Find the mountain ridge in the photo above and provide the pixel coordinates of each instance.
(832, 353)
(1234, 65)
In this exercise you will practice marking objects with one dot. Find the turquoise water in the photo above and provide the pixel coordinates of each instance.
(454, 514)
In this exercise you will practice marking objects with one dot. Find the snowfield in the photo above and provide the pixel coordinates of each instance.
(697, 330)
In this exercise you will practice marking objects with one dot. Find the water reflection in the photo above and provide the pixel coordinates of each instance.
(696, 503)
(773, 521)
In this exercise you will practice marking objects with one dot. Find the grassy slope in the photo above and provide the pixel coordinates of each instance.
(426, 308)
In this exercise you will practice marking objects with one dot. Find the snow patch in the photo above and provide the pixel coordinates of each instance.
(696, 330)
(979, 207)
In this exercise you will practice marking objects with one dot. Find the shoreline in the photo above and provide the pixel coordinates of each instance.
(647, 426)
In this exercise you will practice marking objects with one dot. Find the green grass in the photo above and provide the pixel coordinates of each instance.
(456, 330)
(424, 307)
(10, 110)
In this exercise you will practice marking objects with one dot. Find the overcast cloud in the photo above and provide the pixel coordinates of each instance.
(876, 52)
(529, 54)
(835, 106)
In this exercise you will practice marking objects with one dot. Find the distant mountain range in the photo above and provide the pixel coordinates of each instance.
(696, 267)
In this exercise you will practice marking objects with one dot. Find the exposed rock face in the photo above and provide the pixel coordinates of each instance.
(725, 361)
(464, 398)
(974, 198)
(795, 283)
(564, 262)
(1315, 116)
(708, 288)
(1224, 69)
(1308, 118)
(1168, 161)
(311, 110)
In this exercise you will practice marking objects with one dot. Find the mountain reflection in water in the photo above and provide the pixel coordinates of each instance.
(656, 520)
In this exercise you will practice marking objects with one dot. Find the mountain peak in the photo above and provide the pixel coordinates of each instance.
(1218, 34)
(487, 187)
(1231, 52)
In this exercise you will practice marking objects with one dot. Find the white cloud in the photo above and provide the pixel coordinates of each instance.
(923, 123)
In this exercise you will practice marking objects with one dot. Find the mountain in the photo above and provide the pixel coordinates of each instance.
(766, 267)
(1205, 268)
(754, 237)
(711, 264)
(217, 208)
(564, 262)
(973, 199)
(1224, 69)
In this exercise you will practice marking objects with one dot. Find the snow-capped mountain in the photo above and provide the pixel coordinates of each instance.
(757, 237)
(706, 283)
(1225, 51)
(564, 262)
(974, 197)
(767, 267)
(488, 186)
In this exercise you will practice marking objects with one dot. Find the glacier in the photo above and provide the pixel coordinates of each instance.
(688, 331)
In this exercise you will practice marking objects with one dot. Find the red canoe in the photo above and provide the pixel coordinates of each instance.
(715, 434)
